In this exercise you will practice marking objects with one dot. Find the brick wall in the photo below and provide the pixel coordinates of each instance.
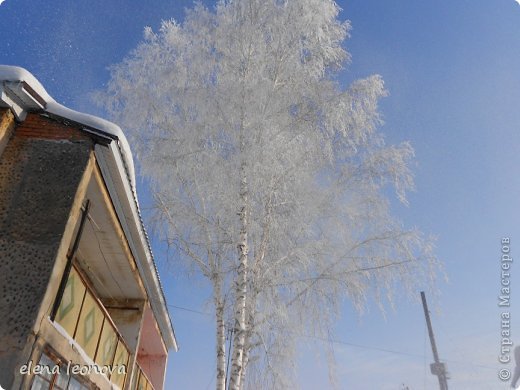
(41, 127)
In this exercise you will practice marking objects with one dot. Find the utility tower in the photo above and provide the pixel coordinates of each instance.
(437, 368)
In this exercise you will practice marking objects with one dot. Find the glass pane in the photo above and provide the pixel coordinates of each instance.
(107, 345)
(75, 384)
(142, 381)
(89, 325)
(120, 365)
(39, 384)
(63, 378)
(47, 367)
(70, 304)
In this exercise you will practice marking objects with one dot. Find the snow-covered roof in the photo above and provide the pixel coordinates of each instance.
(22, 93)
(35, 96)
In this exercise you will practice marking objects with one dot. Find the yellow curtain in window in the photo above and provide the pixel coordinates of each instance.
(70, 304)
(89, 326)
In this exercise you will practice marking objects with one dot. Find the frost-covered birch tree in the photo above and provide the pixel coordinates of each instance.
(270, 178)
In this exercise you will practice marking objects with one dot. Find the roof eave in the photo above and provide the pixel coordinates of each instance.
(127, 209)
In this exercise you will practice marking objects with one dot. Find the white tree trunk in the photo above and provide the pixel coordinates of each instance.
(241, 291)
(220, 336)
(245, 359)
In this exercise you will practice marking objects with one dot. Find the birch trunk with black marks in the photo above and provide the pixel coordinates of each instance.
(237, 363)
(220, 334)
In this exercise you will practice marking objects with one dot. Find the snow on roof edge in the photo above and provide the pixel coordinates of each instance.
(18, 74)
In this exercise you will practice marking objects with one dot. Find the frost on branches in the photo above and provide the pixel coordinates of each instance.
(268, 175)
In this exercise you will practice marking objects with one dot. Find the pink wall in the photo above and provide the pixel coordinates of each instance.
(152, 355)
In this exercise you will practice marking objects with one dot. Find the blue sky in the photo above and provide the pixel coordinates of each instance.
(453, 72)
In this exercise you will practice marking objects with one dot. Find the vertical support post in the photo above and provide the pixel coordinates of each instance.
(437, 368)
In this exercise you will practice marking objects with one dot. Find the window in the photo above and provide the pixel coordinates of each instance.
(90, 321)
(85, 319)
(141, 381)
(51, 373)
(120, 360)
(71, 302)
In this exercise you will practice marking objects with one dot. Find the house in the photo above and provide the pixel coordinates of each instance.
(81, 302)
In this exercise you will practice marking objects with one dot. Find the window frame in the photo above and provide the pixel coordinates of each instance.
(106, 321)
(51, 355)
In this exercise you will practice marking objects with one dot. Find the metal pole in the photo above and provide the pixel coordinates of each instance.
(437, 368)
